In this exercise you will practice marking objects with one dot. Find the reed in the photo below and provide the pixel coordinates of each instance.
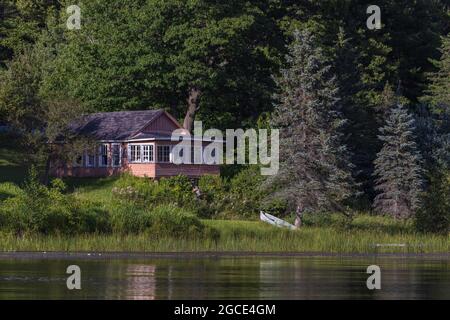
(247, 236)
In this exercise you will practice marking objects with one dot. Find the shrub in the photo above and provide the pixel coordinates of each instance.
(160, 221)
(144, 192)
(245, 193)
(176, 190)
(213, 198)
(8, 190)
(129, 188)
(276, 206)
(128, 218)
(46, 210)
(171, 220)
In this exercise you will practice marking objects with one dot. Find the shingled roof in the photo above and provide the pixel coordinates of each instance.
(120, 125)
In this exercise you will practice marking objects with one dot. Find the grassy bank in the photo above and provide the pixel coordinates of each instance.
(365, 234)
(247, 236)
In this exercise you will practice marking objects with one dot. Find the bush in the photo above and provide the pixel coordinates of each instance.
(213, 198)
(8, 190)
(171, 220)
(245, 193)
(160, 221)
(144, 192)
(46, 210)
(277, 207)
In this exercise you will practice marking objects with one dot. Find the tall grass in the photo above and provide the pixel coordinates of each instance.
(242, 236)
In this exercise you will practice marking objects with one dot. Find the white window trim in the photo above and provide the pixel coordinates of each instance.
(120, 155)
(170, 153)
(141, 148)
(86, 160)
(142, 152)
(100, 156)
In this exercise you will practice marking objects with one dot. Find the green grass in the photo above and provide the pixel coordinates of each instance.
(244, 236)
(362, 236)
(97, 190)
(12, 168)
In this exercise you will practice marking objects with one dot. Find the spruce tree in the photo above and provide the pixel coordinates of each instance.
(314, 172)
(439, 89)
(434, 216)
(398, 167)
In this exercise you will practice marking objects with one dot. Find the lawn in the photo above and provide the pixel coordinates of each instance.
(365, 234)
(11, 167)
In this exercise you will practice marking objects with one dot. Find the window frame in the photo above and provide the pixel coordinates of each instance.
(170, 153)
(87, 157)
(101, 155)
(120, 155)
(151, 152)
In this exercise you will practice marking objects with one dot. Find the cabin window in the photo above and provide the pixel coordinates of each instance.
(116, 155)
(135, 153)
(103, 158)
(90, 160)
(147, 153)
(163, 153)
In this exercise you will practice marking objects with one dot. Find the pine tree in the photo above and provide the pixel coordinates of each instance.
(439, 90)
(314, 170)
(434, 215)
(398, 166)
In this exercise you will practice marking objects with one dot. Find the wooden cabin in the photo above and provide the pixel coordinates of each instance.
(138, 142)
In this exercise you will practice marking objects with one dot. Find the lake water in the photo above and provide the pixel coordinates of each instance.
(256, 277)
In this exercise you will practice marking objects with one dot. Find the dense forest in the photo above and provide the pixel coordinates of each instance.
(363, 114)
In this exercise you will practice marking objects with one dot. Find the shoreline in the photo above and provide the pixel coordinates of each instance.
(202, 254)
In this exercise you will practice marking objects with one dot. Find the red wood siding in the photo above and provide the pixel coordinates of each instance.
(190, 170)
(162, 124)
(80, 172)
(151, 170)
(142, 169)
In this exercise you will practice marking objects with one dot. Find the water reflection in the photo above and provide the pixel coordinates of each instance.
(228, 278)
(141, 284)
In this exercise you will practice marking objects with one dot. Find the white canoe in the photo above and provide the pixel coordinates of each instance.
(275, 221)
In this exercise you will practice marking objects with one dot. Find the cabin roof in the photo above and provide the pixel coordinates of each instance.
(121, 125)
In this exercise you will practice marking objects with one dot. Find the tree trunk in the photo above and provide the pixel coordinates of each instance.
(193, 105)
(298, 217)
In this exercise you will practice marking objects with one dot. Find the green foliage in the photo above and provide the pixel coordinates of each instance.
(245, 193)
(238, 197)
(214, 195)
(37, 209)
(315, 171)
(434, 215)
(398, 167)
(159, 221)
(145, 192)
(40, 209)
(154, 52)
(8, 190)
(439, 89)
